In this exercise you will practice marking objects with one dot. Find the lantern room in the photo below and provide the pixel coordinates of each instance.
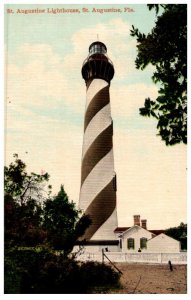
(97, 64)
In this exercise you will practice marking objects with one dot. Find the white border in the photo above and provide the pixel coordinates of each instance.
(172, 296)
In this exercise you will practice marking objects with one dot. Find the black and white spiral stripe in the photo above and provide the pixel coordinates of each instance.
(98, 194)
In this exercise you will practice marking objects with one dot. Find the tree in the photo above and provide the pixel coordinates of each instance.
(55, 224)
(24, 195)
(33, 218)
(22, 186)
(23, 223)
(179, 233)
(165, 47)
(62, 222)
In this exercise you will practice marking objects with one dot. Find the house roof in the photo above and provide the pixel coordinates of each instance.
(162, 234)
(123, 229)
(128, 229)
(157, 231)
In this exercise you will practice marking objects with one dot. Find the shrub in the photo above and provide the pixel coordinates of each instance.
(44, 272)
(98, 275)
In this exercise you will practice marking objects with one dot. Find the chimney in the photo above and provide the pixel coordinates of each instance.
(144, 224)
(136, 220)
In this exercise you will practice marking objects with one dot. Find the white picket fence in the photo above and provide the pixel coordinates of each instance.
(154, 258)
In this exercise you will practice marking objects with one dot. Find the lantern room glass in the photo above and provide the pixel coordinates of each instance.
(97, 48)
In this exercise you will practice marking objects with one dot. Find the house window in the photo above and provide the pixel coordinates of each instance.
(143, 243)
(130, 243)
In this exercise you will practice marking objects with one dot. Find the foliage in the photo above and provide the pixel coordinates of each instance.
(24, 195)
(165, 47)
(23, 223)
(35, 229)
(22, 186)
(44, 272)
(62, 222)
(99, 276)
(12, 274)
(179, 233)
(33, 221)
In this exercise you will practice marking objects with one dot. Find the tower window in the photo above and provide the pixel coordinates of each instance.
(130, 243)
(115, 183)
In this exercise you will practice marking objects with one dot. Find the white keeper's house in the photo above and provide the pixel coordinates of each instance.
(139, 239)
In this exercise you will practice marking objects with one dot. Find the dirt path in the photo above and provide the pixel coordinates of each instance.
(152, 279)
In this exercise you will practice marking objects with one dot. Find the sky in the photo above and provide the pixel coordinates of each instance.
(45, 98)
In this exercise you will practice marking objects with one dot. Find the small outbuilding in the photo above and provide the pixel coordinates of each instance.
(163, 244)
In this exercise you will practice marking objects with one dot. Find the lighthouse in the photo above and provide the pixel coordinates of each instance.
(98, 177)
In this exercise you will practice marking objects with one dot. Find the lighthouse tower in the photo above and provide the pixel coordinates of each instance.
(98, 177)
